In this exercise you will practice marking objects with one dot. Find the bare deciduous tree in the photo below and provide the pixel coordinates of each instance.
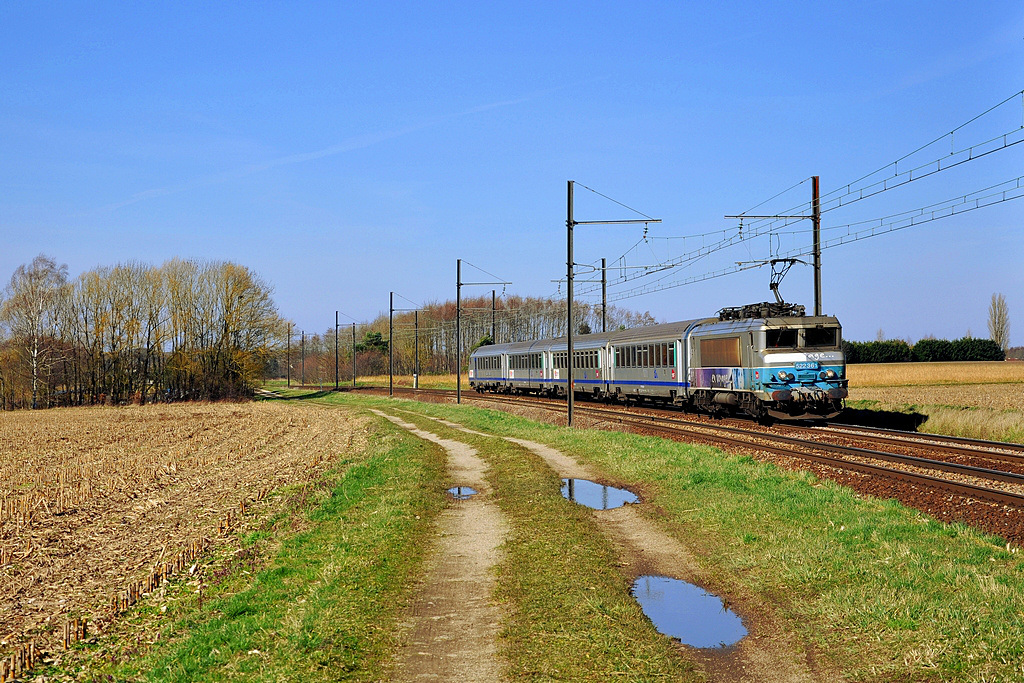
(999, 321)
(30, 312)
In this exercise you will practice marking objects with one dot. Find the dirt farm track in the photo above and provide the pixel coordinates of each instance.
(93, 498)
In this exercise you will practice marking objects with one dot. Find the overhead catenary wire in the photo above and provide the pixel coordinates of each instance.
(1013, 189)
(615, 201)
(835, 199)
(865, 186)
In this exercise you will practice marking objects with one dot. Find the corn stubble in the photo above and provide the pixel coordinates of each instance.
(100, 506)
(975, 400)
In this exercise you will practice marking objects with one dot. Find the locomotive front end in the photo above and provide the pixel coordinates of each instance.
(804, 370)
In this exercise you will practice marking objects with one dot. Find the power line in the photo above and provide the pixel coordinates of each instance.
(1013, 189)
(834, 200)
(995, 194)
(639, 213)
(846, 195)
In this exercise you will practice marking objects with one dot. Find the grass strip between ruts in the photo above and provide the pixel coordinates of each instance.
(569, 615)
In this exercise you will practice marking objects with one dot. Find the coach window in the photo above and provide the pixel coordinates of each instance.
(672, 355)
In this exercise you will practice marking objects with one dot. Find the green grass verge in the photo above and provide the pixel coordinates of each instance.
(326, 603)
(874, 589)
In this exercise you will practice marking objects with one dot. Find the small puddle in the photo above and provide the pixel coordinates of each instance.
(462, 492)
(596, 496)
(687, 612)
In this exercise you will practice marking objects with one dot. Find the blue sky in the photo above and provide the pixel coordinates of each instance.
(346, 150)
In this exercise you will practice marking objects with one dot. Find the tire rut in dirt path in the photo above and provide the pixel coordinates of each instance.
(767, 653)
(453, 625)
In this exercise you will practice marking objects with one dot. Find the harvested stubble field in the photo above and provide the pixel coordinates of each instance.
(95, 498)
(978, 400)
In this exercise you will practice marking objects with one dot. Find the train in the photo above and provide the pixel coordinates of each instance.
(769, 361)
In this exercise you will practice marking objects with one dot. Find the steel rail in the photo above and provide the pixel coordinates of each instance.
(920, 437)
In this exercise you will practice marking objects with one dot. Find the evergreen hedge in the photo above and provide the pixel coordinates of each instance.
(926, 350)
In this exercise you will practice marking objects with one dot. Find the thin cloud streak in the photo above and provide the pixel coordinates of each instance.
(352, 144)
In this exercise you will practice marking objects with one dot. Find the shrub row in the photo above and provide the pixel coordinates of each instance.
(926, 350)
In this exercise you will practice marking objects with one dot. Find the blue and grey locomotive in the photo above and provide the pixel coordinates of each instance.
(769, 361)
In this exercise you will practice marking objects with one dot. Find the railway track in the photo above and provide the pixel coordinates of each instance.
(950, 465)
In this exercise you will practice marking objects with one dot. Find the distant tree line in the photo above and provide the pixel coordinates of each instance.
(926, 350)
(516, 318)
(134, 333)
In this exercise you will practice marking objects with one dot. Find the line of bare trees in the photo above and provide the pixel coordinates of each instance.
(134, 333)
(515, 318)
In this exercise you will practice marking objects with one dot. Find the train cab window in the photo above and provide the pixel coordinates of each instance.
(821, 337)
(783, 338)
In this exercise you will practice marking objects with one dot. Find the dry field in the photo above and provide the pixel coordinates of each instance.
(96, 499)
(916, 374)
(978, 400)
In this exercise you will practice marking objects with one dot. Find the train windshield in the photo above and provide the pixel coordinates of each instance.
(782, 338)
(821, 337)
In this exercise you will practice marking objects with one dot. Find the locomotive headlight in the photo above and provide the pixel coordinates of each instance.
(784, 376)
(831, 374)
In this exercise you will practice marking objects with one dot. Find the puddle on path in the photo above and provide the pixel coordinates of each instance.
(687, 612)
(596, 496)
(462, 492)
